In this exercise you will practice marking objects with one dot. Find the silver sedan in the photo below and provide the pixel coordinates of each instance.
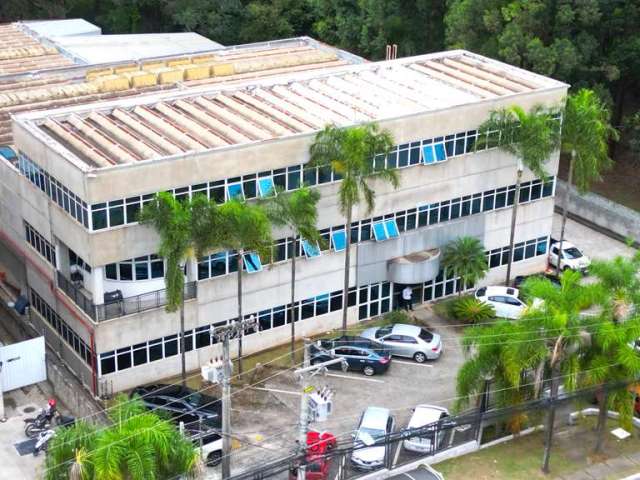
(409, 341)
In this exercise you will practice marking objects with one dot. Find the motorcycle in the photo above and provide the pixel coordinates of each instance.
(45, 436)
(34, 426)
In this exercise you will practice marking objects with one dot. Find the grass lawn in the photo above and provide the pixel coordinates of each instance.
(521, 459)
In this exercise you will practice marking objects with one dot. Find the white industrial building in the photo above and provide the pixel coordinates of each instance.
(83, 173)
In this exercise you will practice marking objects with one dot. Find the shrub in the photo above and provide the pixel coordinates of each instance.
(397, 316)
(472, 310)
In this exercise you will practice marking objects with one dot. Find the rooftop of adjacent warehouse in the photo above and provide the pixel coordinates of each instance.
(37, 69)
(151, 127)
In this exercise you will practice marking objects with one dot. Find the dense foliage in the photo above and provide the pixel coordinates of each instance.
(591, 43)
(137, 445)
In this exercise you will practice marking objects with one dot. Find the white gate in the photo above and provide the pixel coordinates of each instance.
(23, 363)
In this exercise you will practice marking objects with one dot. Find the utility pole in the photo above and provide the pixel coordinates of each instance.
(224, 333)
(3, 418)
(304, 411)
(305, 373)
(514, 215)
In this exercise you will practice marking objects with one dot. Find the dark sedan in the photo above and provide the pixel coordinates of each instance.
(181, 404)
(361, 354)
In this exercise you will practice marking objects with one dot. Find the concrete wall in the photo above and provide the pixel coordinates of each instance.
(602, 212)
(153, 371)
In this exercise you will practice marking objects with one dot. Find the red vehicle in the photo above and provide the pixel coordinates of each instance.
(318, 465)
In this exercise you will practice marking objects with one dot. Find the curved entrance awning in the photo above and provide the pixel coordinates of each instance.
(416, 267)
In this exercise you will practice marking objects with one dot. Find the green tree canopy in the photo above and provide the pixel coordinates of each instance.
(586, 43)
(586, 133)
(465, 258)
(531, 136)
(298, 211)
(350, 152)
(138, 445)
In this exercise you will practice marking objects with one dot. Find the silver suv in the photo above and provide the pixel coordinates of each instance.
(407, 341)
(375, 424)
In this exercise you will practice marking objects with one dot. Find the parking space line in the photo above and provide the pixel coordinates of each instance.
(355, 378)
(288, 392)
(413, 363)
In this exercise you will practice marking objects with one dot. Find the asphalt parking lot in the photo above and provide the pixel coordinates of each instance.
(265, 420)
(406, 384)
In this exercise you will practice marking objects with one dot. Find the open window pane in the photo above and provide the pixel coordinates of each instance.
(266, 187)
(252, 263)
(234, 191)
(392, 229)
(428, 156)
(441, 154)
(339, 240)
(380, 232)
(310, 249)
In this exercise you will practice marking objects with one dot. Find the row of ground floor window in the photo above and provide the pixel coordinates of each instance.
(371, 300)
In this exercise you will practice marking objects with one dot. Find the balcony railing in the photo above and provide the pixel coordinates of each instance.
(120, 308)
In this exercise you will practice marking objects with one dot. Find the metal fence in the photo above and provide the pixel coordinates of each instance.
(473, 426)
(120, 308)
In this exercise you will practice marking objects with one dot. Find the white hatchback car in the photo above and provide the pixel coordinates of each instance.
(504, 301)
(572, 257)
(425, 415)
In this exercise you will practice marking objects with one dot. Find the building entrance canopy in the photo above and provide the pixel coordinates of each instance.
(415, 267)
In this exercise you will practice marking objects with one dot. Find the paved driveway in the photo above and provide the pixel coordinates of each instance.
(270, 431)
(265, 418)
(594, 244)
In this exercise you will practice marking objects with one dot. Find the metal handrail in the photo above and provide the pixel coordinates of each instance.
(120, 308)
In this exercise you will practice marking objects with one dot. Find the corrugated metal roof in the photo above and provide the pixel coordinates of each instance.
(83, 84)
(153, 127)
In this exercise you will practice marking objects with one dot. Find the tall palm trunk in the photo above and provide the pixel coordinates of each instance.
(602, 421)
(514, 216)
(183, 353)
(565, 206)
(347, 267)
(240, 318)
(292, 309)
(551, 416)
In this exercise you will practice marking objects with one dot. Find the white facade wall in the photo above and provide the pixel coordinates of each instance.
(216, 300)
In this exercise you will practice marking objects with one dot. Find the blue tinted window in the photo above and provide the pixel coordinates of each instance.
(379, 231)
(235, 191)
(266, 187)
(310, 249)
(441, 154)
(252, 263)
(392, 229)
(339, 240)
(428, 156)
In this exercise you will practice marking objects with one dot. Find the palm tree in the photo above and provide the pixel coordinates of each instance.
(472, 310)
(138, 445)
(613, 356)
(530, 137)
(496, 351)
(350, 153)
(586, 133)
(246, 229)
(465, 257)
(620, 278)
(563, 335)
(172, 220)
(298, 211)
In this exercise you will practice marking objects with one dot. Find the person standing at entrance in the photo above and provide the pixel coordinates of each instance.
(407, 294)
